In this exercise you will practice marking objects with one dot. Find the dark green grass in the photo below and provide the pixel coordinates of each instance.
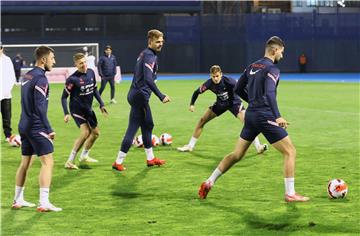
(248, 200)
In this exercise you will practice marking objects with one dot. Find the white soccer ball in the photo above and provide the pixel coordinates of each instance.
(166, 139)
(155, 140)
(138, 141)
(337, 188)
(15, 140)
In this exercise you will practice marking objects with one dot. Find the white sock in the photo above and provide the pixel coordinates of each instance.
(214, 176)
(44, 196)
(19, 193)
(149, 154)
(256, 143)
(120, 158)
(84, 153)
(289, 186)
(192, 142)
(72, 155)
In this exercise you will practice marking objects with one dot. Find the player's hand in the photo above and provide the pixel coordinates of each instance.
(282, 122)
(52, 135)
(104, 111)
(166, 99)
(66, 118)
(192, 108)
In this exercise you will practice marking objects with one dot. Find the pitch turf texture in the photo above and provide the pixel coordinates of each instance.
(248, 200)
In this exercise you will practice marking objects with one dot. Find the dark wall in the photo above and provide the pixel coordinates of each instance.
(195, 42)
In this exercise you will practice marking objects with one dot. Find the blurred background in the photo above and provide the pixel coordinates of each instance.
(198, 34)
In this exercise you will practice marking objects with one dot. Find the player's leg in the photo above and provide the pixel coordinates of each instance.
(45, 177)
(228, 161)
(94, 133)
(278, 137)
(20, 179)
(112, 90)
(84, 134)
(43, 147)
(288, 151)
(248, 134)
(126, 143)
(102, 86)
(260, 148)
(208, 115)
(17, 76)
(147, 126)
(6, 117)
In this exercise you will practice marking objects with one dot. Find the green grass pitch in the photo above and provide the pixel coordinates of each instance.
(247, 200)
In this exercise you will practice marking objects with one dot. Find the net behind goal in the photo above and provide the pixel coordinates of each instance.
(63, 52)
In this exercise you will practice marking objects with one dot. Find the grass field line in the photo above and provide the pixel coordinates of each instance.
(320, 110)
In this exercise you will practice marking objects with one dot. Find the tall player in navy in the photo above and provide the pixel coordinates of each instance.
(223, 88)
(258, 86)
(143, 84)
(81, 87)
(35, 130)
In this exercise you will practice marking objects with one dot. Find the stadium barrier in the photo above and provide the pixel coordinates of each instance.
(60, 74)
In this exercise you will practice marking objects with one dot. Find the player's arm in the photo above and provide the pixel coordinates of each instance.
(115, 65)
(101, 61)
(148, 76)
(40, 102)
(100, 101)
(271, 80)
(240, 87)
(66, 92)
(11, 77)
(196, 93)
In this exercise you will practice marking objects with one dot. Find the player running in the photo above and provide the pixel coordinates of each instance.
(226, 100)
(143, 84)
(258, 86)
(35, 130)
(81, 87)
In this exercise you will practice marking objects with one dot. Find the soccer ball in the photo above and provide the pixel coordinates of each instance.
(155, 140)
(337, 188)
(15, 140)
(138, 141)
(166, 139)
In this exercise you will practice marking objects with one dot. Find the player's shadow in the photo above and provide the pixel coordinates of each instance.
(126, 188)
(204, 156)
(58, 182)
(279, 222)
(245, 162)
(9, 222)
(285, 223)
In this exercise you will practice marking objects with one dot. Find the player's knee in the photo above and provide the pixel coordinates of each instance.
(202, 122)
(23, 167)
(150, 125)
(95, 133)
(290, 151)
(85, 134)
(237, 155)
(47, 162)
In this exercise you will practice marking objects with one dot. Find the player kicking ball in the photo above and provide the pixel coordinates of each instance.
(81, 87)
(257, 86)
(226, 100)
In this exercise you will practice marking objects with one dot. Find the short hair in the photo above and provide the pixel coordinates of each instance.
(274, 40)
(78, 56)
(154, 33)
(108, 47)
(215, 68)
(42, 51)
